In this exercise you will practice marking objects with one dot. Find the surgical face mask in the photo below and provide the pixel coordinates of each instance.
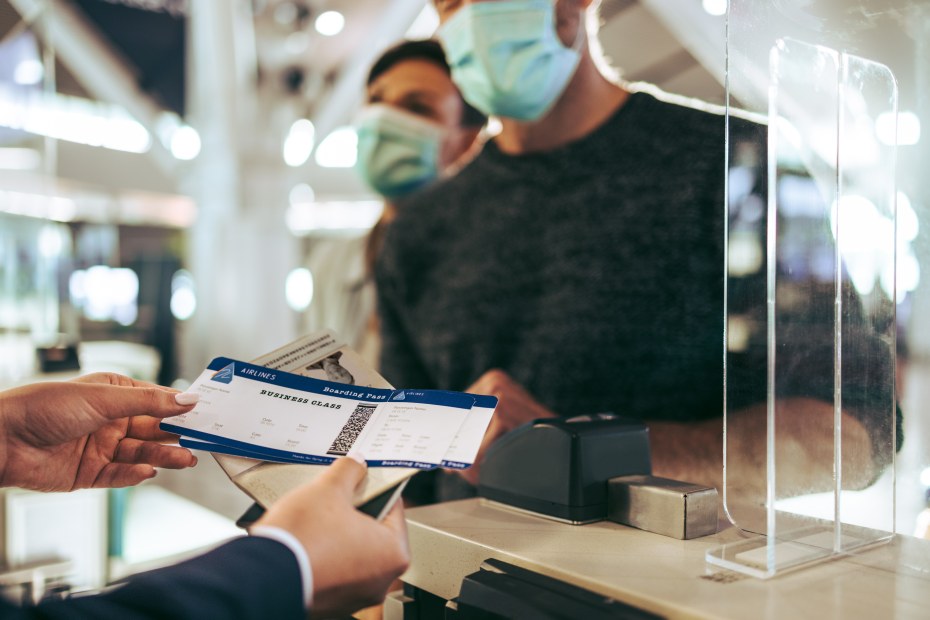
(506, 57)
(398, 152)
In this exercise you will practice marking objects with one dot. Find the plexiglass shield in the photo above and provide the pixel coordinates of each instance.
(811, 414)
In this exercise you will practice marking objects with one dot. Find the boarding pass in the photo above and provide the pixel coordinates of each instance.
(259, 412)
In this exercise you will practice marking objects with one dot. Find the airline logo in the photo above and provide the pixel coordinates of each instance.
(225, 375)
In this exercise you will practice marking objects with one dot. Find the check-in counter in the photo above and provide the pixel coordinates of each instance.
(657, 574)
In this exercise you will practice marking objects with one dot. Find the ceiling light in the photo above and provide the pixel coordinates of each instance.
(715, 7)
(75, 120)
(298, 289)
(183, 304)
(339, 149)
(299, 143)
(185, 143)
(183, 295)
(330, 23)
(28, 72)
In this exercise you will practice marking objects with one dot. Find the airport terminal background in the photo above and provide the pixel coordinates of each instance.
(176, 184)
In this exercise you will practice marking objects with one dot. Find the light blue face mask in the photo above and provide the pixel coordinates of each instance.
(506, 57)
(398, 152)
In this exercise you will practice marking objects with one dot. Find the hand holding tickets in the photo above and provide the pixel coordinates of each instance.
(263, 413)
(353, 558)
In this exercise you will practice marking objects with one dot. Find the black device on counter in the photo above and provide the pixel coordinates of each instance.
(58, 357)
(560, 467)
(502, 590)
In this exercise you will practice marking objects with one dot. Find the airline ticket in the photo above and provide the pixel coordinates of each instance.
(269, 414)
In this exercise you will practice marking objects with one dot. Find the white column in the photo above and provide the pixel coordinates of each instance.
(240, 250)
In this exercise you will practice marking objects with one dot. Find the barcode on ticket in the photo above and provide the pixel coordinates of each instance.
(343, 442)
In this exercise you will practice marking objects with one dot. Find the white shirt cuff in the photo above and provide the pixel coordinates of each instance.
(303, 560)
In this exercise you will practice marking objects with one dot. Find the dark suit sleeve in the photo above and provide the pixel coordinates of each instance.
(245, 578)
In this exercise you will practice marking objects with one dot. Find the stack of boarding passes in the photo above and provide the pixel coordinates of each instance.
(276, 422)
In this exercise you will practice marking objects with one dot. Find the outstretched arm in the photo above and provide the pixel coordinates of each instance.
(693, 451)
(97, 431)
(352, 561)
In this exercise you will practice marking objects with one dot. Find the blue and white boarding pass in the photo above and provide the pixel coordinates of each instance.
(282, 416)
(460, 455)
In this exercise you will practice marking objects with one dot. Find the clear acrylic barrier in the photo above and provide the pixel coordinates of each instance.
(810, 374)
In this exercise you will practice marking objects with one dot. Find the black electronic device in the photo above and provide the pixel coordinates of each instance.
(560, 467)
(502, 590)
(58, 357)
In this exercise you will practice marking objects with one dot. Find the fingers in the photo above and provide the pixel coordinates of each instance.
(345, 474)
(113, 378)
(395, 521)
(134, 451)
(397, 526)
(123, 402)
(116, 475)
(147, 429)
(493, 382)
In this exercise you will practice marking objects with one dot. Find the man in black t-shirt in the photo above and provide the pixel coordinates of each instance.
(576, 265)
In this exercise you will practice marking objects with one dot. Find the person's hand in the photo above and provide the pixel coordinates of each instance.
(354, 558)
(515, 407)
(100, 430)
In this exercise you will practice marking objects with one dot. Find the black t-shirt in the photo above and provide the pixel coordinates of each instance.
(593, 274)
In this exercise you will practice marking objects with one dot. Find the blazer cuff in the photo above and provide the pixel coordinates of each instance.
(303, 560)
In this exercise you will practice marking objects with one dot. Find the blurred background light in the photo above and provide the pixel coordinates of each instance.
(51, 242)
(74, 119)
(745, 253)
(715, 7)
(339, 149)
(906, 132)
(330, 23)
(185, 143)
(298, 289)
(908, 222)
(183, 295)
(333, 216)
(17, 158)
(299, 143)
(106, 294)
(28, 72)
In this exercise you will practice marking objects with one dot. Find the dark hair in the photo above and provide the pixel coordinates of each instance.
(431, 51)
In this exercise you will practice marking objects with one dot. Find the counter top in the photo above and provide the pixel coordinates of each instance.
(663, 575)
